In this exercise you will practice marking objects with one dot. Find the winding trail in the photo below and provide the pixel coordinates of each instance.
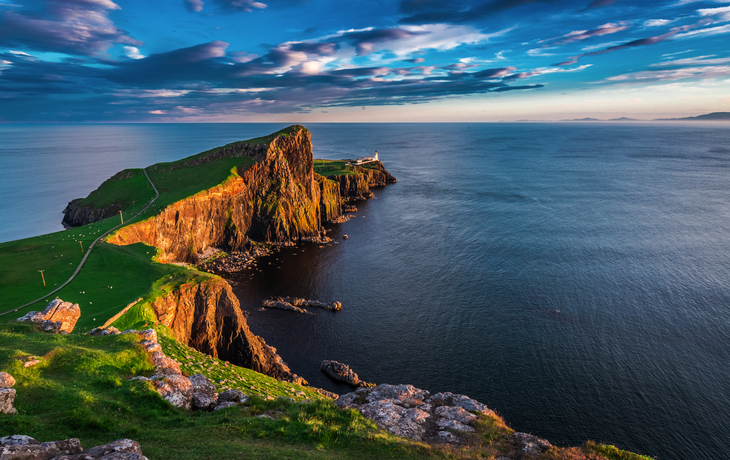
(88, 251)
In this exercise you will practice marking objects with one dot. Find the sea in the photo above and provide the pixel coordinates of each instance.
(574, 277)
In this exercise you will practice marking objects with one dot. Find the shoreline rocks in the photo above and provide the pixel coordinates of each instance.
(416, 414)
(58, 317)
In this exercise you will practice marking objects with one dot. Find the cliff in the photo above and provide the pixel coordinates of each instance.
(356, 185)
(208, 317)
(276, 200)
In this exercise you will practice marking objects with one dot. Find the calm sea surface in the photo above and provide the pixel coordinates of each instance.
(573, 277)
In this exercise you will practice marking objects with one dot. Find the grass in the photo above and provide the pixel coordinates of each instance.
(124, 188)
(57, 254)
(82, 389)
(112, 277)
(333, 168)
(227, 376)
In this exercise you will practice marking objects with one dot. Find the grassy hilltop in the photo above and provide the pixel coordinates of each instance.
(82, 386)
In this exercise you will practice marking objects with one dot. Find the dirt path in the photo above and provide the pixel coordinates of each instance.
(88, 251)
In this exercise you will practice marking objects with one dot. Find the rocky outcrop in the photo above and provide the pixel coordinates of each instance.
(196, 392)
(340, 371)
(20, 447)
(277, 200)
(414, 413)
(207, 317)
(295, 304)
(59, 316)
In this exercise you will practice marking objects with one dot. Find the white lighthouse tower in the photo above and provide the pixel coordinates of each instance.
(375, 157)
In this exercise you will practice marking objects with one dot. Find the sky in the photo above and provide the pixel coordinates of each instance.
(361, 60)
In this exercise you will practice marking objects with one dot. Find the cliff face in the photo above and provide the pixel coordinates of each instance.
(330, 202)
(356, 187)
(276, 200)
(207, 317)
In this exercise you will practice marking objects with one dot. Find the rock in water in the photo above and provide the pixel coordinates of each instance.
(339, 371)
(59, 316)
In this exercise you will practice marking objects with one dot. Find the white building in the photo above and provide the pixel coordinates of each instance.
(363, 160)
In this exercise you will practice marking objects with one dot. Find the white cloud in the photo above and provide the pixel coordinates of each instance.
(698, 73)
(698, 60)
(657, 22)
(705, 32)
(195, 5)
(133, 52)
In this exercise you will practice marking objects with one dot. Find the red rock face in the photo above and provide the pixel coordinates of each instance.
(276, 200)
(207, 317)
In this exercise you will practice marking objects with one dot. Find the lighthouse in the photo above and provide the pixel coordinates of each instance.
(375, 157)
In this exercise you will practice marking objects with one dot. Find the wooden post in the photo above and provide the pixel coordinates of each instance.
(81, 243)
(121, 216)
(43, 277)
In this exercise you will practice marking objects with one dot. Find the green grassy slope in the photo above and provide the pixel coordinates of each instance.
(333, 168)
(82, 389)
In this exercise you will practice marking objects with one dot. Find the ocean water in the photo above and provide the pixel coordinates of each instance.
(574, 277)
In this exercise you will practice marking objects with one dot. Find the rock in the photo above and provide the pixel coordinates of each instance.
(148, 334)
(31, 362)
(413, 413)
(532, 445)
(454, 425)
(234, 396)
(203, 401)
(57, 311)
(204, 394)
(7, 397)
(224, 405)
(339, 371)
(465, 402)
(168, 366)
(17, 440)
(175, 389)
(27, 448)
(397, 419)
(121, 449)
(282, 306)
(6, 380)
(455, 413)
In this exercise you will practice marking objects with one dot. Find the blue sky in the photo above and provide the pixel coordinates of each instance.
(375, 60)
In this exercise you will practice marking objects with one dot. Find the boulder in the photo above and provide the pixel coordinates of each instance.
(175, 389)
(26, 448)
(234, 396)
(121, 449)
(204, 393)
(22, 447)
(414, 413)
(6, 380)
(224, 405)
(339, 371)
(7, 397)
(532, 445)
(65, 314)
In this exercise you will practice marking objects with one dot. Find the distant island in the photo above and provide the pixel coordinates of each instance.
(714, 116)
